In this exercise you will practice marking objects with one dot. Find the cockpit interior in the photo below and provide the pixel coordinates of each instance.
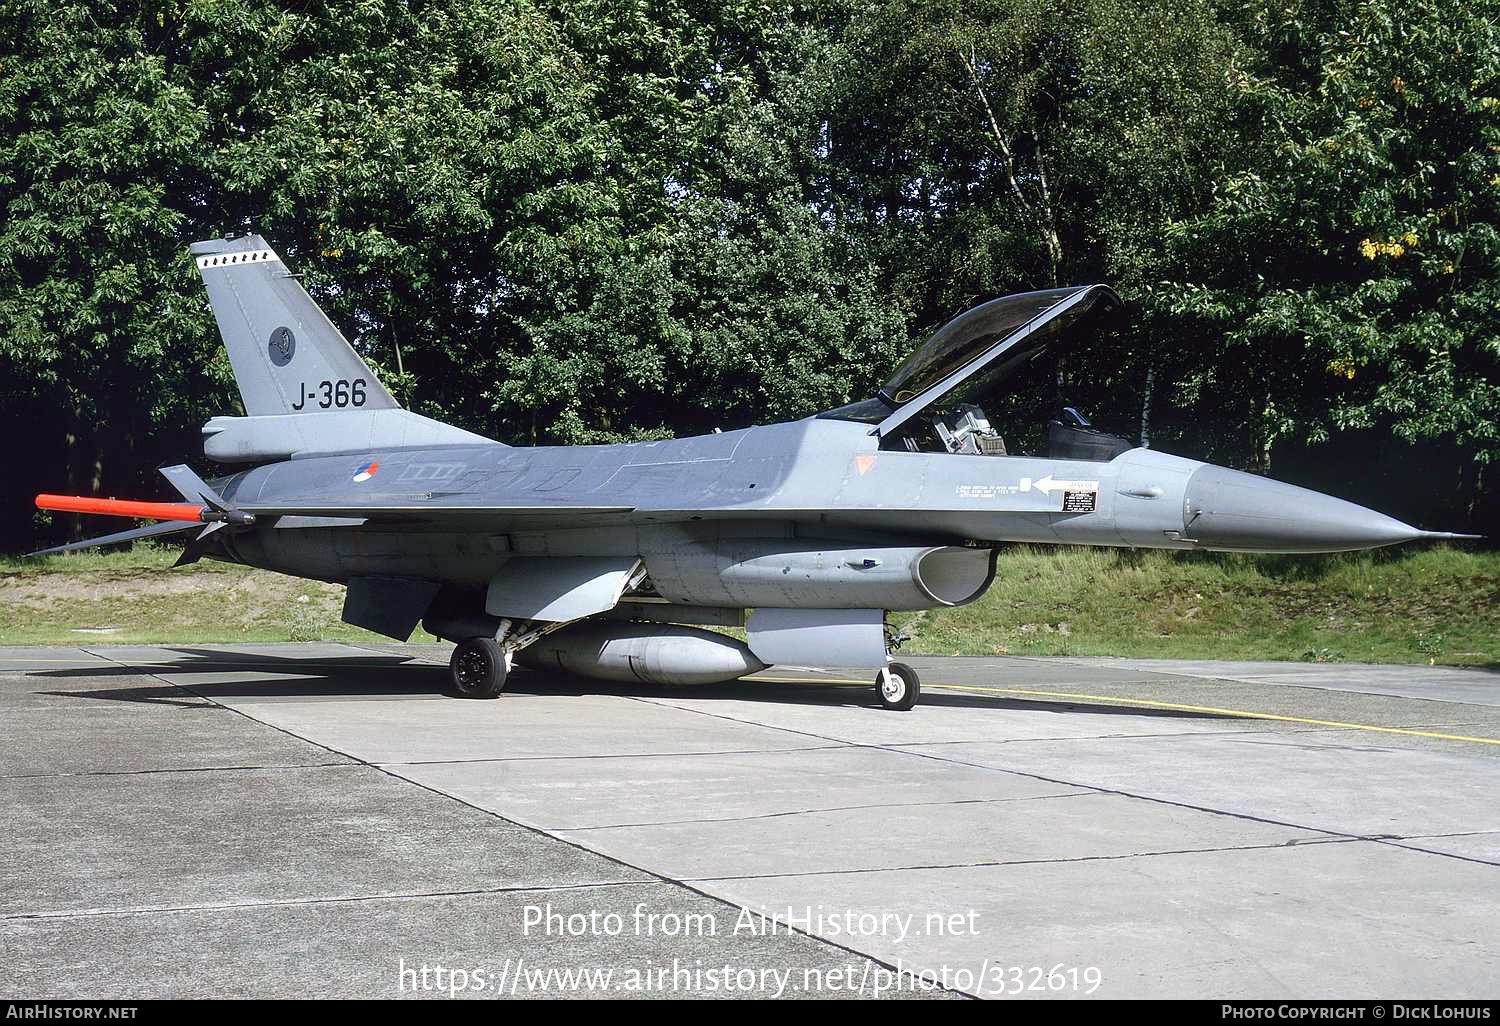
(965, 390)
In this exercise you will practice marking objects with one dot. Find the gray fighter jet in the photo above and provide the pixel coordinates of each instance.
(608, 560)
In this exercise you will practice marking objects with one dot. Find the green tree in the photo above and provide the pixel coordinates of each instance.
(97, 328)
(600, 221)
(1005, 145)
(1346, 275)
(728, 300)
(434, 169)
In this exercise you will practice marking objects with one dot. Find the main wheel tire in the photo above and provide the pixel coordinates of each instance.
(477, 668)
(898, 687)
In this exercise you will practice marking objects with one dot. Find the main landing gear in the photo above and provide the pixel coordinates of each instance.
(479, 665)
(477, 668)
(898, 687)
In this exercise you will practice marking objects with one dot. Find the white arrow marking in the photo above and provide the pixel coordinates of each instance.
(1047, 485)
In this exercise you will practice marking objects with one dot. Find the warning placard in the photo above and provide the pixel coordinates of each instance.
(1080, 502)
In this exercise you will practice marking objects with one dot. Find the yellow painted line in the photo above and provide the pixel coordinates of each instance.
(1128, 702)
(1241, 713)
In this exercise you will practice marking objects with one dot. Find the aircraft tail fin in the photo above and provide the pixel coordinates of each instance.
(288, 357)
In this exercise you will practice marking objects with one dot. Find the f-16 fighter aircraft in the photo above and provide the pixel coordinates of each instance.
(608, 560)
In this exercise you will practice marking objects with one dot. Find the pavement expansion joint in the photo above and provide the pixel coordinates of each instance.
(822, 811)
(337, 899)
(1078, 859)
(1281, 682)
(1437, 837)
(895, 749)
(177, 769)
(1066, 738)
(1474, 859)
(608, 756)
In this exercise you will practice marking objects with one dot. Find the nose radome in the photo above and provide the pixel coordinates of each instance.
(1227, 509)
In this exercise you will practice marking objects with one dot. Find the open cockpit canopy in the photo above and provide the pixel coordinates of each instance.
(980, 348)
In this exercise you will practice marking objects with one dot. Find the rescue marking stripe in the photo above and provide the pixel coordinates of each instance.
(235, 259)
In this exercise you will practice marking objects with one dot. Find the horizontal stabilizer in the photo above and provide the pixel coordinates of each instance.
(192, 487)
(135, 534)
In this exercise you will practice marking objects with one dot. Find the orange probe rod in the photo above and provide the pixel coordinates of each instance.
(122, 507)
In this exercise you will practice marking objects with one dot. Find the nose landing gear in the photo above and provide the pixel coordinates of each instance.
(898, 687)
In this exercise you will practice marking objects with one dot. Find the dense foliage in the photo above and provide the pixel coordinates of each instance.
(603, 220)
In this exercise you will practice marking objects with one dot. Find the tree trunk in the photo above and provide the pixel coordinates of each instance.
(83, 467)
(1146, 406)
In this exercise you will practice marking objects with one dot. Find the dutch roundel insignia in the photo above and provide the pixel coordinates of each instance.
(366, 471)
(283, 345)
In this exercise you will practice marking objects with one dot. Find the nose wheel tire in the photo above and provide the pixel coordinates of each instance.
(898, 687)
(477, 668)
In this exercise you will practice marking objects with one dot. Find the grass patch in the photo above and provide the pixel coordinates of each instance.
(136, 597)
(1415, 604)
(1434, 604)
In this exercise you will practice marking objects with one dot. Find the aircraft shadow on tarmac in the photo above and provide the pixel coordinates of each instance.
(378, 676)
(297, 676)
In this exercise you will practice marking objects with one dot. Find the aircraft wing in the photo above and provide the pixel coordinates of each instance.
(437, 508)
(434, 511)
(208, 512)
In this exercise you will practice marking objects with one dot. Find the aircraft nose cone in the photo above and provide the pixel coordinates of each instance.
(1226, 509)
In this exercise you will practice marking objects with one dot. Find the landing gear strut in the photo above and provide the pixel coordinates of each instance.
(898, 686)
(477, 668)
